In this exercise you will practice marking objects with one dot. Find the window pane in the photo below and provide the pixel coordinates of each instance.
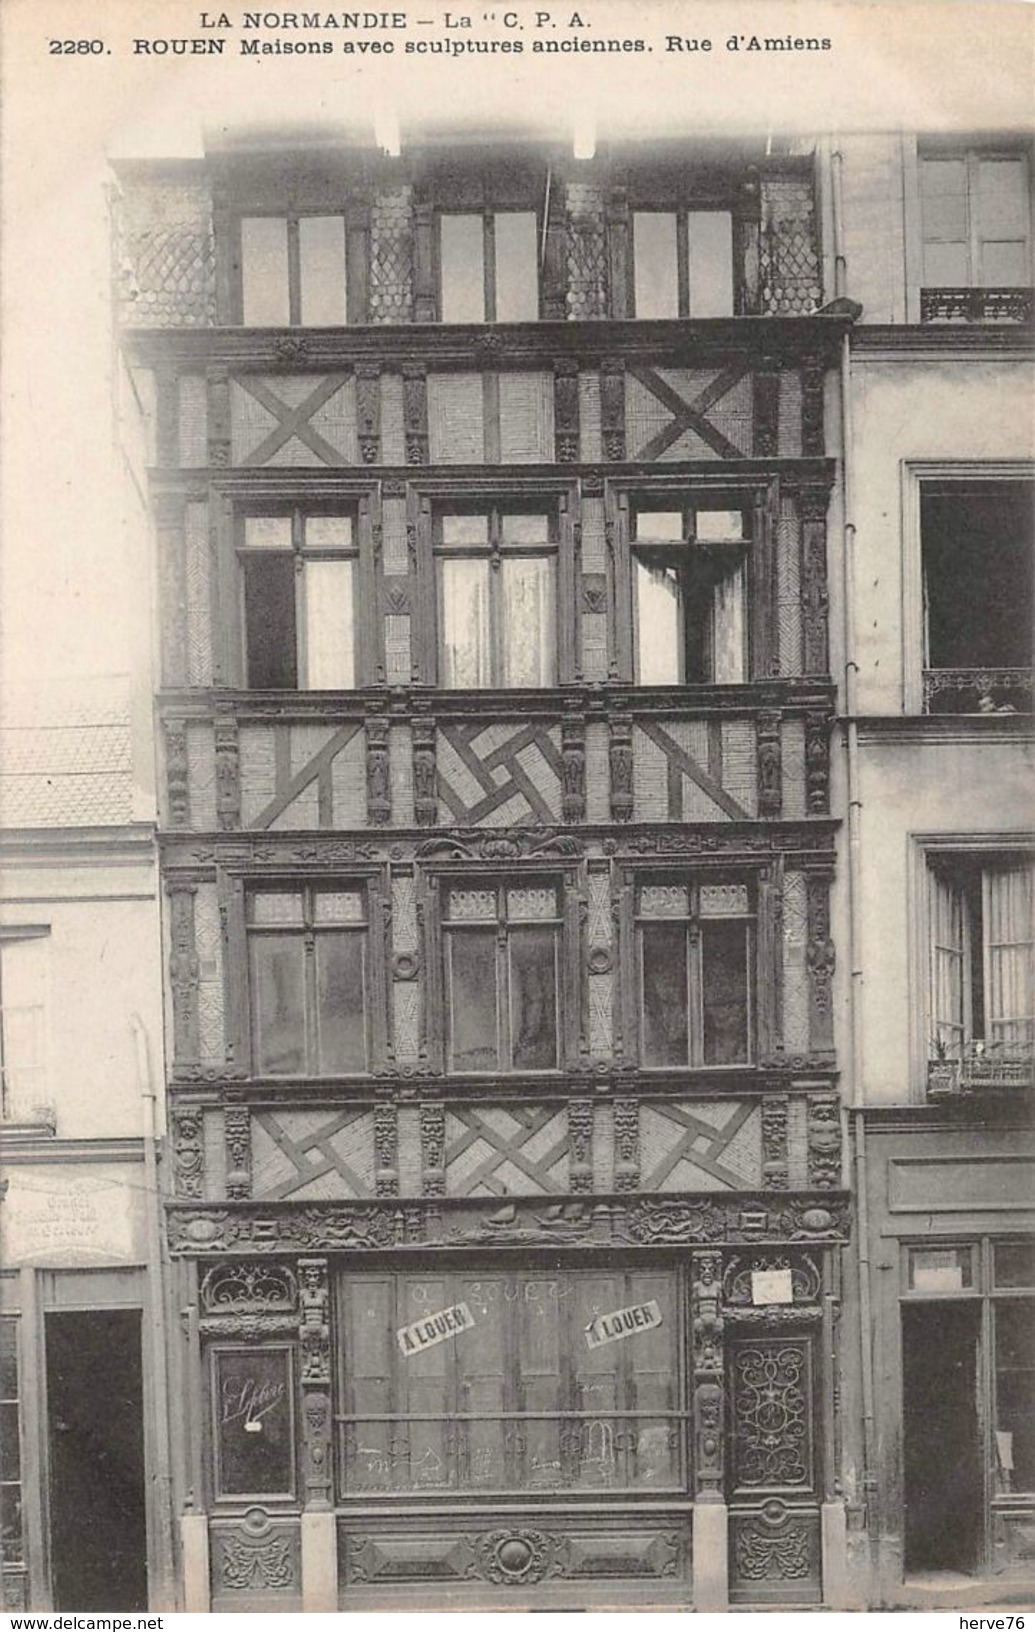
(724, 945)
(664, 976)
(472, 1000)
(468, 904)
(517, 283)
(473, 529)
(661, 526)
(340, 1003)
(728, 634)
(945, 266)
(1002, 198)
(269, 618)
(977, 549)
(1004, 265)
(278, 996)
(338, 907)
(1014, 1263)
(267, 532)
(327, 532)
(656, 276)
(720, 526)
(1015, 1395)
(253, 1411)
(275, 907)
(711, 263)
(466, 647)
(264, 271)
(533, 998)
(941, 1269)
(658, 624)
(945, 218)
(1009, 969)
(528, 622)
(321, 254)
(947, 948)
(518, 527)
(329, 652)
(462, 252)
(531, 904)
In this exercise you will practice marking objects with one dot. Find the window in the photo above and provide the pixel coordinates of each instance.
(975, 215)
(682, 263)
(1015, 1393)
(694, 951)
(252, 1395)
(497, 580)
(977, 542)
(308, 975)
(298, 569)
(515, 1397)
(502, 975)
(293, 270)
(982, 983)
(23, 987)
(488, 267)
(11, 1540)
(689, 570)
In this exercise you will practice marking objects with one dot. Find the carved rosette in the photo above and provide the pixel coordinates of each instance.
(627, 1144)
(824, 1142)
(566, 410)
(415, 413)
(573, 768)
(620, 748)
(774, 1142)
(177, 778)
(580, 1146)
(612, 408)
(368, 411)
(188, 1151)
(520, 1558)
(314, 1350)
(386, 1151)
(228, 786)
(184, 971)
(770, 773)
(237, 1135)
(379, 782)
(433, 1148)
(425, 773)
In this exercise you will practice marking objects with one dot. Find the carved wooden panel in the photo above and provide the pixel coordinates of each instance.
(255, 1563)
(293, 419)
(702, 1145)
(774, 1554)
(312, 1153)
(499, 774)
(771, 1418)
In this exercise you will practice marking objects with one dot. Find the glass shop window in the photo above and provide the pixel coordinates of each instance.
(488, 267)
(298, 570)
(547, 1382)
(497, 595)
(253, 1422)
(694, 946)
(690, 572)
(293, 271)
(502, 944)
(1014, 1324)
(308, 978)
(682, 263)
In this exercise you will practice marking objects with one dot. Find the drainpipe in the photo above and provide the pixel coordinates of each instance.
(162, 1579)
(855, 894)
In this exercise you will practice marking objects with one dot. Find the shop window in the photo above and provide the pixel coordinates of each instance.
(976, 235)
(497, 594)
(690, 568)
(682, 263)
(1015, 1395)
(977, 541)
(24, 968)
(11, 1537)
(308, 979)
(982, 984)
(694, 950)
(488, 266)
(502, 976)
(293, 270)
(253, 1422)
(497, 1384)
(298, 568)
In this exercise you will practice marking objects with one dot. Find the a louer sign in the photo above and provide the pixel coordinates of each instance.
(639, 1317)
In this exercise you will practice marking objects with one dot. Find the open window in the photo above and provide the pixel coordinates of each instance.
(298, 571)
(695, 949)
(497, 595)
(689, 567)
(977, 539)
(982, 978)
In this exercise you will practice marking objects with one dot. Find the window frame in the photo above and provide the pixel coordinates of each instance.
(980, 850)
(19, 935)
(214, 1352)
(495, 551)
(682, 210)
(236, 880)
(971, 154)
(565, 877)
(693, 878)
(487, 214)
(915, 472)
(678, 556)
(300, 554)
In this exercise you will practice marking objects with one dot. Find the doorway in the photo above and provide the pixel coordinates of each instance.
(95, 1426)
(943, 1486)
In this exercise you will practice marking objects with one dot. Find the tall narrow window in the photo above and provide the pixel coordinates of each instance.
(696, 997)
(982, 977)
(682, 263)
(502, 971)
(308, 976)
(11, 1539)
(497, 572)
(24, 966)
(976, 217)
(298, 569)
(293, 270)
(689, 596)
(488, 267)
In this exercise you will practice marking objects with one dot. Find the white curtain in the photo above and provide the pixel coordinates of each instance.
(466, 646)
(948, 967)
(1009, 982)
(529, 639)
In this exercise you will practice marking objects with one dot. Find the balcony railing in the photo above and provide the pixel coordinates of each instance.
(978, 691)
(976, 305)
(982, 1068)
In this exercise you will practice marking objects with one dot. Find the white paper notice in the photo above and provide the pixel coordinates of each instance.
(771, 1286)
(639, 1317)
(431, 1329)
